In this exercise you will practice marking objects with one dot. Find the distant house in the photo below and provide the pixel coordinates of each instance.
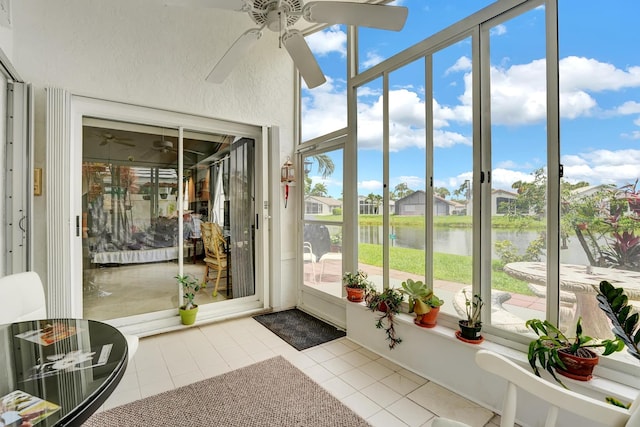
(414, 204)
(372, 207)
(458, 208)
(590, 190)
(502, 202)
(317, 205)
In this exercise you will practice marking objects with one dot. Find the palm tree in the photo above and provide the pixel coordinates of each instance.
(442, 192)
(401, 190)
(375, 200)
(319, 190)
(326, 167)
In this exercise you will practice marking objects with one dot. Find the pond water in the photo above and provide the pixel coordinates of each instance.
(458, 241)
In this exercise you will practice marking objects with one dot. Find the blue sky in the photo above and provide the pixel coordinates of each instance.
(599, 85)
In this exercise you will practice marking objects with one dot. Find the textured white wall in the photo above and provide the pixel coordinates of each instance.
(142, 52)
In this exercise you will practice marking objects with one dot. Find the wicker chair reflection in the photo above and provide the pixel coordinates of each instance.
(215, 259)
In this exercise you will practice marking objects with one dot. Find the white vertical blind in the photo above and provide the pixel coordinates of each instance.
(59, 238)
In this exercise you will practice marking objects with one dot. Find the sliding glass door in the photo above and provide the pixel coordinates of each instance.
(134, 240)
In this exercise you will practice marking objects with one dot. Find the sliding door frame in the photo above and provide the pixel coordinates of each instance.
(64, 134)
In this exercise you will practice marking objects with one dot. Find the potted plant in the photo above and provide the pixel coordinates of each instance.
(388, 302)
(471, 326)
(422, 301)
(571, 357)
(356, 285)
(336, 242)
(189, 309)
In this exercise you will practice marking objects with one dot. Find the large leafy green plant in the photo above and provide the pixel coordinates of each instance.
(624, 319)
(544, 350)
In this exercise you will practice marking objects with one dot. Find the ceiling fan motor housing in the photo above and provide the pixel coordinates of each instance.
(267, 12)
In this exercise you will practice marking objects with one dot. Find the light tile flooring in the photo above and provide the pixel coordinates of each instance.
(380, 391)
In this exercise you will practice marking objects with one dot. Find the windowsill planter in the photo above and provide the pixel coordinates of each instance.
(452, 366)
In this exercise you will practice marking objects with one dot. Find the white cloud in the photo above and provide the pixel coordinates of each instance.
(518, 92)
(633, 135)
(499, 30)
(603, 166)
(407, 129)
(629, 107)
(373, 58)
(573, 160)
(518, 98)
(323, 109)
(504, 178)
(508, 164)
(579, 73)
(333, 185)
(462, 64)
(327, 41)
(453, 182)
(371, 186)
(442, 138)
(413, 182)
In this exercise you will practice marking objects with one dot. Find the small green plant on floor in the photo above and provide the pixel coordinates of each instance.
(189, 288)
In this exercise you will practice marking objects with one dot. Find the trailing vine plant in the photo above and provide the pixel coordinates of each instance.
(389, 302)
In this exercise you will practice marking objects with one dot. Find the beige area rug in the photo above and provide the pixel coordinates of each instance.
(269, 393)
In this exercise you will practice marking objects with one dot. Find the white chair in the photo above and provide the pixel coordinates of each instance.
(548, 391)
(22, 298)
(309, 257)
(329, 256)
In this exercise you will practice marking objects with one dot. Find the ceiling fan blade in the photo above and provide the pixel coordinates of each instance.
(122, 142)
(236, 52)
(364, 15)
(239, 5)
(303, 58)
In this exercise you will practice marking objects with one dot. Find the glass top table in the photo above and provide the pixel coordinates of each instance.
(57, 372)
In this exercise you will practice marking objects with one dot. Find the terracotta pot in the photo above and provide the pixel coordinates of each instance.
(578, 368)
(355, 294)
(428, 320)
(469, 332)
(382, 306)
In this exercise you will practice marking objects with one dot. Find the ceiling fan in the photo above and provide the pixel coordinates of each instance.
(280, 15)
(166, 146)
(108, 138)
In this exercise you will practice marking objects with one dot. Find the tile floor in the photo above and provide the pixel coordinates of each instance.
(380, 391)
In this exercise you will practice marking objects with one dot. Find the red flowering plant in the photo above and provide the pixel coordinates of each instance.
(604, 223)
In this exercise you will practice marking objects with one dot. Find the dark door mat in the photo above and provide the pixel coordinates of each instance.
(299, 329)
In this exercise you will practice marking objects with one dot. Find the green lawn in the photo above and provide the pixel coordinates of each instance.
(452, 221)
(452, 268)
